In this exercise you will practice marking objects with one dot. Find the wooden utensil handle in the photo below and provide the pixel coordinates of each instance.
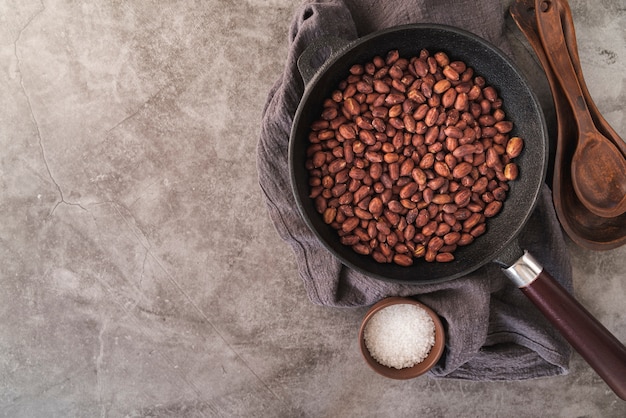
(601, 349)
(551, 31)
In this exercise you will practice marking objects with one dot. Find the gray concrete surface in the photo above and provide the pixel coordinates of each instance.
(140, 275)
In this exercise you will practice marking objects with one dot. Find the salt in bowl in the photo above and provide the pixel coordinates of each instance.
(406, 372)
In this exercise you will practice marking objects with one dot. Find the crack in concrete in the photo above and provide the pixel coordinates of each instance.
(143, 268)
(32, 114)
(126, 118)
(104, 409)
(138, 110)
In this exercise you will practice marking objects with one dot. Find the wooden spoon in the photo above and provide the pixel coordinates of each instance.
(598, 166)
(582, 226)
(570, 39)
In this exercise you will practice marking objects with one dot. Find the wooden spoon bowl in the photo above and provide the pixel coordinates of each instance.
(599, 174)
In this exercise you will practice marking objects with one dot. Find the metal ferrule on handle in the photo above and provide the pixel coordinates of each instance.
(524, 271)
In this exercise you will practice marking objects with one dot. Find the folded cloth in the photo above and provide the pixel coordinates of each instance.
(493, 331)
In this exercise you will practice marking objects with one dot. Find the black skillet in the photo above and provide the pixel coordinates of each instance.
(592, 340)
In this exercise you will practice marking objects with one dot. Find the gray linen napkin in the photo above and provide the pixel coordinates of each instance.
(493, 331)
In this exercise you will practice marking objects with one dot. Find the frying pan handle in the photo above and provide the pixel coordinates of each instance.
(601, 349)
(319, 51)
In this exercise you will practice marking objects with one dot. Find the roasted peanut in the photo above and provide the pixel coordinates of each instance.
(410, 157)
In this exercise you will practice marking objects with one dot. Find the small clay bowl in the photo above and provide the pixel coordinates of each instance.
(408, 372)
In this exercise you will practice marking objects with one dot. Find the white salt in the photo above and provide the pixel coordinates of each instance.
(400, 335)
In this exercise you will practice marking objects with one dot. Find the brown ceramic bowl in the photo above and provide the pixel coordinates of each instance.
(408, 372)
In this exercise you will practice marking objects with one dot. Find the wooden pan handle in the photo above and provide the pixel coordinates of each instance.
(601, 349)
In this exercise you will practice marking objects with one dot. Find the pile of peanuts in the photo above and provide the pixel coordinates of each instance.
(410, 157)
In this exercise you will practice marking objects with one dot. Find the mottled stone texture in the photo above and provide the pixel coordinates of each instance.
(140, 275)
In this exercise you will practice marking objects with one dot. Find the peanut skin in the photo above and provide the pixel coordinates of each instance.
(410, 158)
